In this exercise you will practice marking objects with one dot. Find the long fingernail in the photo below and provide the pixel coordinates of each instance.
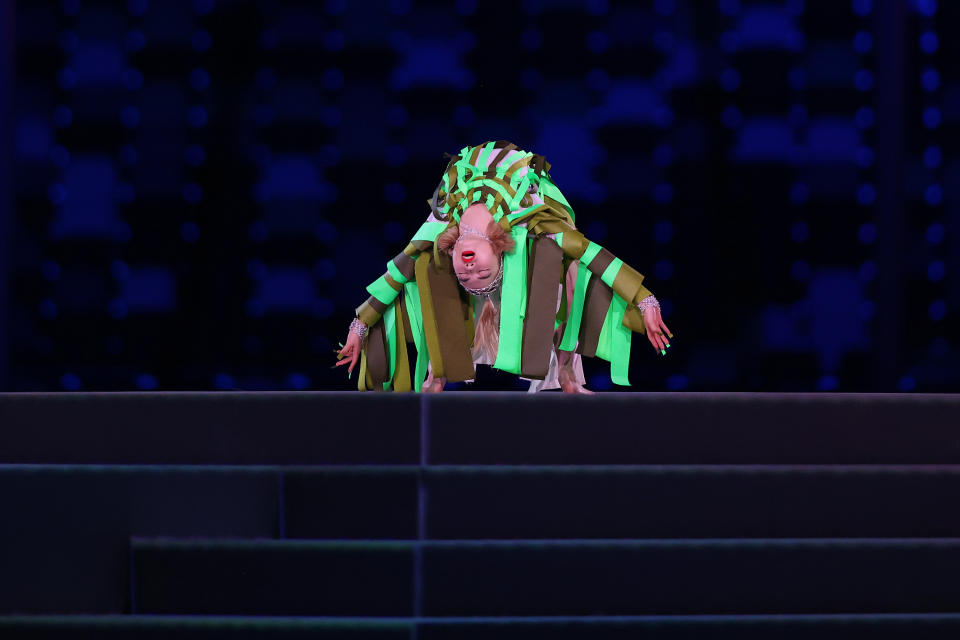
(670, 334)
(663, 352)
(668, 345)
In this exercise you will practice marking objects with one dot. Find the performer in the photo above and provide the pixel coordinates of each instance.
(499, 275)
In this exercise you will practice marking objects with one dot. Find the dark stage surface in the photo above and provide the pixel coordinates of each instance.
(468, 515)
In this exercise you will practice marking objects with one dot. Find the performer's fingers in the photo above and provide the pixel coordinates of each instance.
(343, 362)
(663, 325)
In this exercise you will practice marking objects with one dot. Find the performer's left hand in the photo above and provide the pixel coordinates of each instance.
(657, 332)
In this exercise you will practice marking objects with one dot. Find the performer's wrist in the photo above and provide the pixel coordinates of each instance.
(647, 303)
(359, 328)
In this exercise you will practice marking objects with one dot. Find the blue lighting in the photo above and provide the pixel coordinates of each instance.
(800, 231)
(134, 40)
(323, 308)
(865, 157)
(132, 79)
(729, 7)
(326, 232)
(935, 233)
(334, 41)
(867, 233)
(730, 41)
(197, 116)
(51, 270)
(598, 80)
(258, 232)
(124, 193)
(120, 270)
(800, 270)
(929, 42)
(798, 115)
(868, 271)
(664, 269)
(677, 382)
(663, 232)
(663, 155)
(530, 79)
(937, 310)
(463, 116)
(932, 157)
(395, 192)
(797, 78)
(863, 42)
(332, 79)
(862, 7)
(57, 193)
(936, 270)
(202, 7)
(190, 232)
(663, 193)
(394, 232)
(192, 193)
(117, 309)
(596, 7)
(69, 41)
(731, 117)
(325, 269)
(199, 79)
(62, 116)
(60, 157)
(298, 381)
(71, 382)
(468, 7)
(195, 155)
(137, 7)
(931, 117)
(828, 383)
(67, 79)
(146, 382)
(866, 194)
(597, 41)
(331, 116)
(224, 381)
(48, 309)
(396, 154)
(201, 41)
(933, 195)
(926, 7)
(930, 80)
(130, 116)
(863, 80)
(906, 384)
(397, 116)
(665, 7)
(868, 309)
(597, 230)
(730, 79)
(799, 193)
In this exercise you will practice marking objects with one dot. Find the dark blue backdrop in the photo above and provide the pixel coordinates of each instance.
(194, 194)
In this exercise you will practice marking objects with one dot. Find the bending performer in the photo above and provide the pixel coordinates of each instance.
(499, 275)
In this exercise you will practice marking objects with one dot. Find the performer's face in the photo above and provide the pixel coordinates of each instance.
(475, 262)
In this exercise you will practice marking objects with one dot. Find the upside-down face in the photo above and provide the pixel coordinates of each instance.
(475, 261)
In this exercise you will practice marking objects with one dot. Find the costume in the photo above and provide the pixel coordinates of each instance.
(419, 301)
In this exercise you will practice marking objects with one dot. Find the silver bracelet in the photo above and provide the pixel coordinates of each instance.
(358, 328)
(649, 301)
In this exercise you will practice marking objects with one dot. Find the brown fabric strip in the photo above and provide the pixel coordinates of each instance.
(500, 156)
(407, 331)
(429, 319)
(600, 262)
(421, 245)
(449, 312)
(406, 265)
(401, 373)
(546, 272)
(377, 358)
(370, 311)
(596, 305)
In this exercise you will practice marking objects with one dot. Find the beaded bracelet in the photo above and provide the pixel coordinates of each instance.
(649, 301)
(357, 327)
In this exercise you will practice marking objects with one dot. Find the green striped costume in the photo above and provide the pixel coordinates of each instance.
(419, 301)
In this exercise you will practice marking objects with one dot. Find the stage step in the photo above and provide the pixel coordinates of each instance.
(272, 577)
(312, 428)
(672, 501)
(781, 627)
(548, 578)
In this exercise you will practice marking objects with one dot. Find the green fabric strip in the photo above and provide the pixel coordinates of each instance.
(592, 250)
(614, 343)
(429, 231)
(611, 272)
(485, 155)
(382, 291)
(559, 238)
(395, 273)
(513, 303)
(411, 296)
(389, 325)
(572, 331)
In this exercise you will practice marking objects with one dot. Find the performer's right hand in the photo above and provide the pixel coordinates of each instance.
(350, 352)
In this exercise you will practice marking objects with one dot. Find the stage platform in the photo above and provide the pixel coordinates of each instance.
(476, 515)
